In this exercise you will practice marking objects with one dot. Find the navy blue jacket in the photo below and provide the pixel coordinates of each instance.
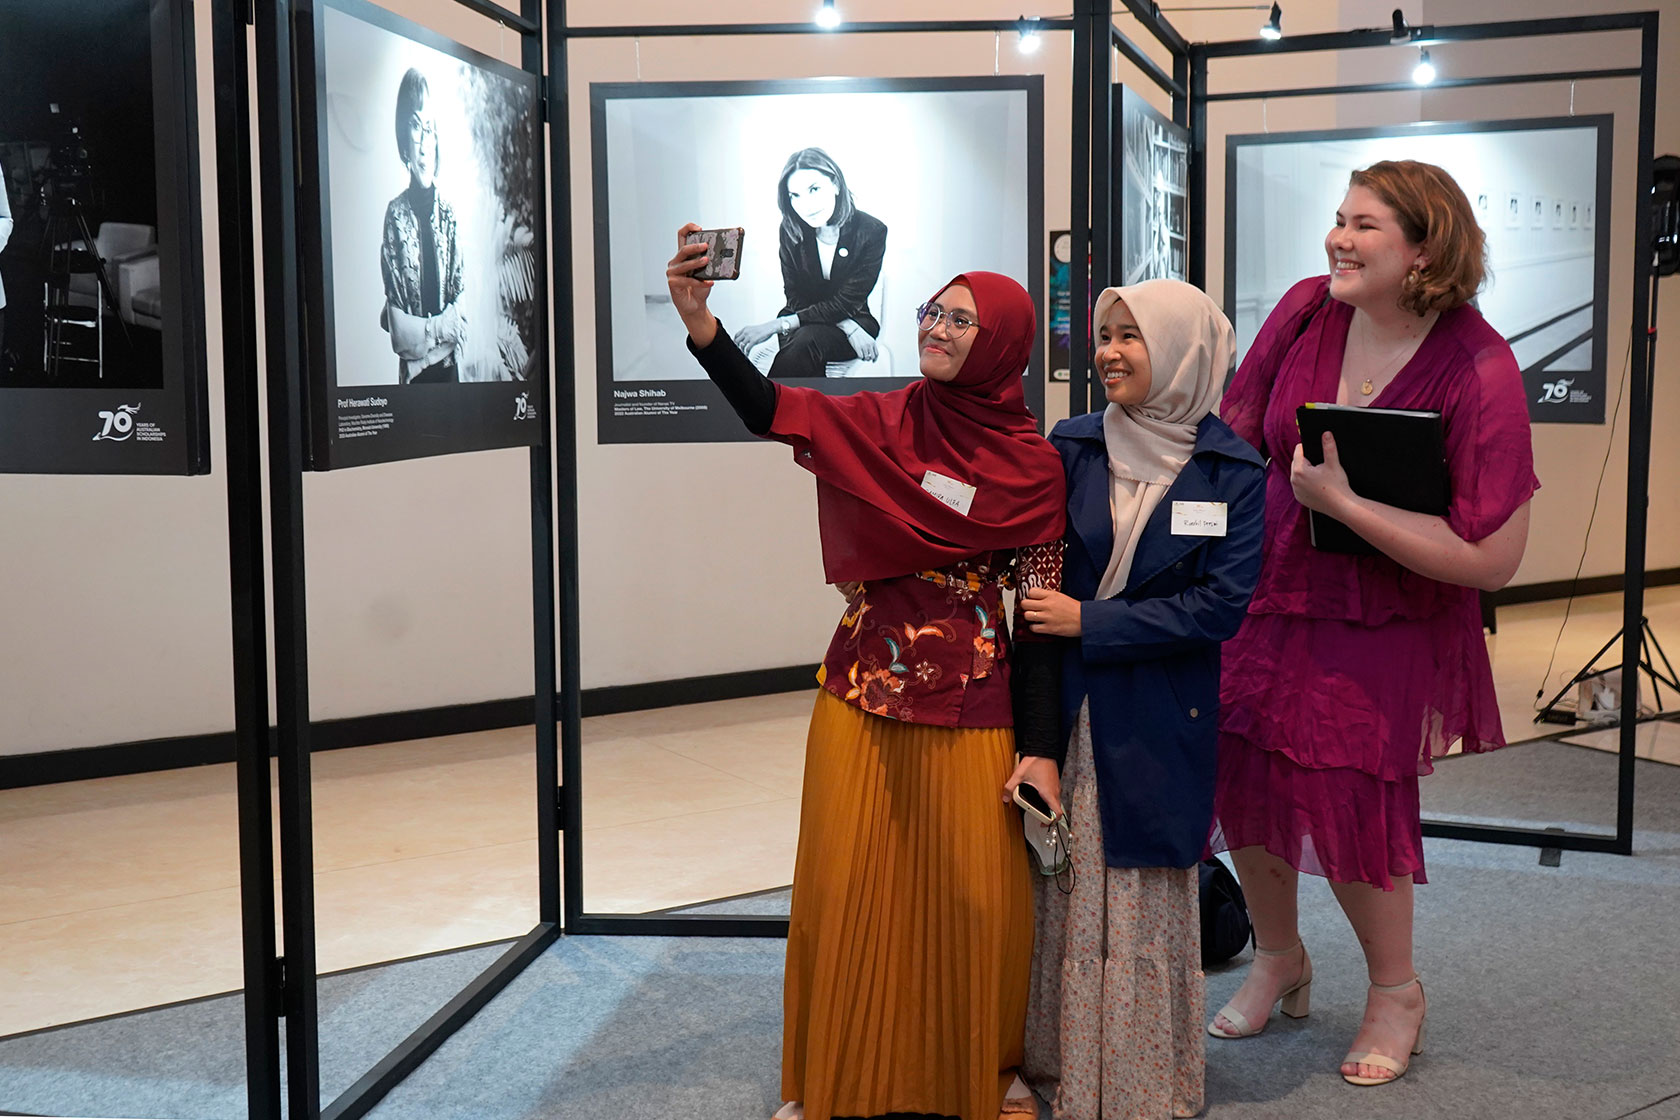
(1149, 657)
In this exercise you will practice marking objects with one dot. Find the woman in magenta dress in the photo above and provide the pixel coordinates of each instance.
(1352, 673)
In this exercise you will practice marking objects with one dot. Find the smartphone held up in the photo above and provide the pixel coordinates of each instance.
(723, 252)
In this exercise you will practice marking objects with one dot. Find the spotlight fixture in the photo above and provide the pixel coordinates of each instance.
(1030, 38)
(1401, 33)
(828, 18)
(1273, 27)
(1424, 72)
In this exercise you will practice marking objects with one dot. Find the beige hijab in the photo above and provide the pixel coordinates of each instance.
(1191, 347)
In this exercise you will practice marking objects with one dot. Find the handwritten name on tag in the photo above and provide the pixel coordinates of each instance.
(958, 495)
(1198, 519)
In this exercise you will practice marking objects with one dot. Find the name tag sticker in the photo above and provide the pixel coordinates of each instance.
(1198, 519)
(958, 495)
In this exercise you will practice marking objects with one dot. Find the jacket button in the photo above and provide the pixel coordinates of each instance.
(1194, 712)
(1180, 564)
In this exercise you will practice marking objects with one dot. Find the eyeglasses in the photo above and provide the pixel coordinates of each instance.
(956, 322)
(421, 127)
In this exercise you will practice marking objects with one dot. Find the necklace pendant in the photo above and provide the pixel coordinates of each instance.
(1367, 388)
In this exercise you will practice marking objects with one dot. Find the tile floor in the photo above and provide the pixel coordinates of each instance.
(121, 893)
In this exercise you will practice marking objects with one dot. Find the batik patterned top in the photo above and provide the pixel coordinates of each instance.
(932, 647)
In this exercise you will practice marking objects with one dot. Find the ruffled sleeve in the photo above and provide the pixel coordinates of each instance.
(1490, 449)
(1244, 405)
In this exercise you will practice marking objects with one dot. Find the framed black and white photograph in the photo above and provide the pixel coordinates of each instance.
(102, 352)
(1152, 204)
(860, 199)
(427, 287)
(1548, 285)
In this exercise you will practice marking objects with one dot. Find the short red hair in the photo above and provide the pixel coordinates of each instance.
(1434, 213)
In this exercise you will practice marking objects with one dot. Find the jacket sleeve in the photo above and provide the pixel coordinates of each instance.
(1208, 611)
(749, 393)
(851, 294)
(1036, 676)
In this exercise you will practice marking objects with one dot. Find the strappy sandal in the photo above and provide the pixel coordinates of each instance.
(1383, 1061)
(1295, 1002)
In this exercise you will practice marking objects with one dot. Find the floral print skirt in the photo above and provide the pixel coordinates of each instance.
(1118, 1005)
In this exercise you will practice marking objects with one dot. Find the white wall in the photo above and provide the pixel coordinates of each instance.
(697, 559)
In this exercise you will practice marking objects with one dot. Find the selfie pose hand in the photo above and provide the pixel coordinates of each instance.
(689, 295)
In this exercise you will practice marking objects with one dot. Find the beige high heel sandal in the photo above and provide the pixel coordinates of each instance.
(1295, 1002)
(792, 1110)
(1383, 1061)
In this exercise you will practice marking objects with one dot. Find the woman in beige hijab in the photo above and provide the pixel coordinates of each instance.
(1165, 508)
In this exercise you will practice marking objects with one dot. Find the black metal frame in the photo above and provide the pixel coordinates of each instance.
(285, 988)
(577, 920)
(1639, 425)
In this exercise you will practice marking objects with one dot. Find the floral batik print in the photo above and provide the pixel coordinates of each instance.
(932, 647)
(1116, 1013)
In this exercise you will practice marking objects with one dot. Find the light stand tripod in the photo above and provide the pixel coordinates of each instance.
(1665, 212)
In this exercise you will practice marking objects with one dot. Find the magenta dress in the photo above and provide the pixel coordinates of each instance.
(1352, 673)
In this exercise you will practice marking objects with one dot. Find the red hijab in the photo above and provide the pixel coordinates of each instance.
(871, 451)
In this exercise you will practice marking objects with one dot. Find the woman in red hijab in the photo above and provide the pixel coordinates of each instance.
(910, 938)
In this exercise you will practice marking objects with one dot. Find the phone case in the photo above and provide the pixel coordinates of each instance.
(1029, 809)
(724, 248)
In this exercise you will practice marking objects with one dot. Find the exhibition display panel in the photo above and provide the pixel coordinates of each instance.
(1541, 193)
(428, 290)
(101, 258)
(905, 171)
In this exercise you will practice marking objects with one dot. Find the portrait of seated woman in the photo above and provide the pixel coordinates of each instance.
(831, 254)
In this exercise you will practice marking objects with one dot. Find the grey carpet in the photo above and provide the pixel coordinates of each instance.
(1555, 995)
(774, 903)
(188, 1060)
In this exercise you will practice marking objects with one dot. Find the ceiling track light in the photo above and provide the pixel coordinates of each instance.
(1424, 72)
(828, 17)
(1401, 32)
(1030, 38)
(1273, 27)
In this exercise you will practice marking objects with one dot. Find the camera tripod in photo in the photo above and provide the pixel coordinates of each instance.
(78, 287)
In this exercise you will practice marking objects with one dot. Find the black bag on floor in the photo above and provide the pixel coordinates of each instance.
(1225, 924)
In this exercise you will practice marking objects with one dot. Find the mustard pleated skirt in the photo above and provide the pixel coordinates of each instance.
(910, 939)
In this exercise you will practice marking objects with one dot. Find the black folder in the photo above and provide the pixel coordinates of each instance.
(1391, 455)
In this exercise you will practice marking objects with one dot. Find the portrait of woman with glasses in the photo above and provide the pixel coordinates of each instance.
(910, 933)
(831, 261)
(420, 258)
